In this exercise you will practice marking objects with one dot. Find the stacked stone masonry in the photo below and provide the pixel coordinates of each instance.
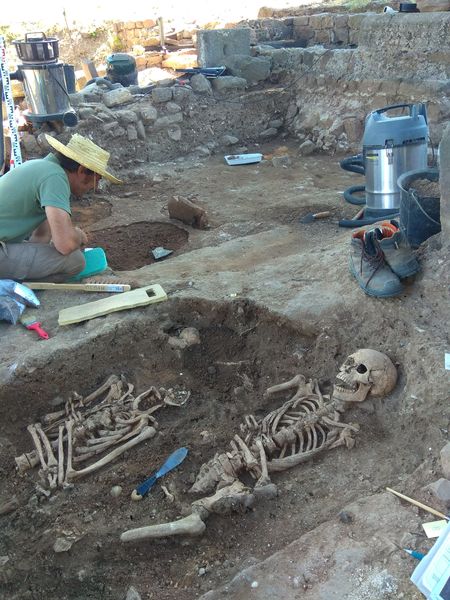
(141, 33)
(319, 95)
(328, 29)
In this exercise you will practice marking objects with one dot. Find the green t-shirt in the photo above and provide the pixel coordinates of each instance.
(25, 192)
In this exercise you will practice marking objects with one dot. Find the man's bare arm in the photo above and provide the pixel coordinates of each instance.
(65, 237)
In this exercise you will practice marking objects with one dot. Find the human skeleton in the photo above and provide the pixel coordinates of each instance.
(87, 427)
(303, 427)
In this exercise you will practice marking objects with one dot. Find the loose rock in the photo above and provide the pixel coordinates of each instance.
(445, 461)
(132, 594)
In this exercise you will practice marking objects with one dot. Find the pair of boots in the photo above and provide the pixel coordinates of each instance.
(380, 258)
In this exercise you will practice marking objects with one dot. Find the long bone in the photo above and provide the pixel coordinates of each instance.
(39, 449)
(72, 475)
(233, 498)
(52, 463)
(94, 428)
(61, 456)
(85, 453)
(112, 379)
(37, 444)
(298, 381)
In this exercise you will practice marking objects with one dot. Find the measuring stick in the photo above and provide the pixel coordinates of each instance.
(419, 504)
(16, 154)
(79, 287)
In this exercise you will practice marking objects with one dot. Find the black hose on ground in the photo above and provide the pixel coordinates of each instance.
(350, 223)
(354, 164)
(351, 198)
(103, 81)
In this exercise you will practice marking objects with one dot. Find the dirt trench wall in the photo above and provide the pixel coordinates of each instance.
(174, 121)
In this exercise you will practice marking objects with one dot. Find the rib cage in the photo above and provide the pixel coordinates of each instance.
(302, 427)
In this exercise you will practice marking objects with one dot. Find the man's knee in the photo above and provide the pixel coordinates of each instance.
(74, 263)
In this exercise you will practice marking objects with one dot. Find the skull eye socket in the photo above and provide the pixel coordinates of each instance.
(361, 368)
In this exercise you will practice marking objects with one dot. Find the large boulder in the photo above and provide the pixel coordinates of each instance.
(252, 69)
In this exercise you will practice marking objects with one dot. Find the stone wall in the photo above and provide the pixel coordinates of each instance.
(328, 29)
(173, 120)
(398, 59)
(142, 33)
(320, 96)
(131, 33)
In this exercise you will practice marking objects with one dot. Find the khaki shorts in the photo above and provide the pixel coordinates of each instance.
(28, 261)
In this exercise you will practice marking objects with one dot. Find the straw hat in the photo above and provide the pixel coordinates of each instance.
(85, 152)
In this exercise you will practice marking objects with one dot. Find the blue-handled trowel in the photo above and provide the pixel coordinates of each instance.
(175, 459)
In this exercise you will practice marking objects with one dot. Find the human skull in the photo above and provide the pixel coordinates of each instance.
(366, 371)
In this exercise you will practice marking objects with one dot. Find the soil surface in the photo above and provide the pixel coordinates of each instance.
(130, 246)
(270, 297)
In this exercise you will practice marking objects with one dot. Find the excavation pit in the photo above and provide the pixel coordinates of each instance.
(130, 247)
(243, 350)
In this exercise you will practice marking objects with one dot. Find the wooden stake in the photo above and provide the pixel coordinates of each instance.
(419, 504)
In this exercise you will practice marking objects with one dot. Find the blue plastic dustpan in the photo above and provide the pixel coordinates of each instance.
(95, 263)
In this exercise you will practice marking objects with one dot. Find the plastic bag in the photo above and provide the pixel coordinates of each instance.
(10, 309)
(20, 293)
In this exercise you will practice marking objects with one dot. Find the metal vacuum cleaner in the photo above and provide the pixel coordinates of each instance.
(46, 80)
(392, 145)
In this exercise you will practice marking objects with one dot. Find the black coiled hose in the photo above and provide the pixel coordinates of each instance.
(355, 164)
(350, 192)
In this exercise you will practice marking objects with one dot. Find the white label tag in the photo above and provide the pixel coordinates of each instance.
(434, 528)
(447, 361)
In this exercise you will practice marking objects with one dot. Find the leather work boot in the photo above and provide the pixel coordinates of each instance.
(367, 265)
(396, 249)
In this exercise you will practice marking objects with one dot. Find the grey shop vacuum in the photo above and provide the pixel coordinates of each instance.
(392, 145)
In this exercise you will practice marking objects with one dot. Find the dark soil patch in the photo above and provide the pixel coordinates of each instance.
(129, 246)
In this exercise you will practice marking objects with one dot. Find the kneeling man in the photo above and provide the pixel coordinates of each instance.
(38, 240)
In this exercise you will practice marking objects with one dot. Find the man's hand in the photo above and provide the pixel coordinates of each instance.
(83, 237)
(65, 237)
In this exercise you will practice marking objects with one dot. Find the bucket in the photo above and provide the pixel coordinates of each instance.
(121, 68)
(419, 205)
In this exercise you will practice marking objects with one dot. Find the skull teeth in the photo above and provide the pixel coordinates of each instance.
(345, 386)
